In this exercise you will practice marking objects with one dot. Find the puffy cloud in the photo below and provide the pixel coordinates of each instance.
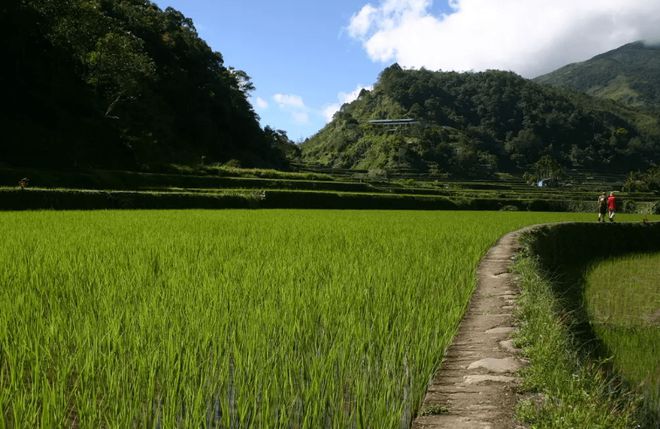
(342, 98)
(347, 97)
(529, 37)
(289, 100)
(294, 105)
(300, 117)
(330, 110)
(260, 103)
(361, 21)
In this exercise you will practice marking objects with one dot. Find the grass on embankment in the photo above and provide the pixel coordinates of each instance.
(36, 198)
(623, 302)
(567, 391)
(569, 381)
(139, 189)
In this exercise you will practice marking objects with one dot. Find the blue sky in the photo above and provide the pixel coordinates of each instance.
(307, 57)
(295, 48)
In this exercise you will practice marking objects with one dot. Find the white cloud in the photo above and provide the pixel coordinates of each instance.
(347, 97)
(330, 110)
(294, 105)
(260, 103)
(529, 37)
(289, 100)
(361, 21)
(343, 97)
(300, 117)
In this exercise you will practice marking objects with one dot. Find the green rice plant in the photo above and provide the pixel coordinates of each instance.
(623, 302)
(237, 318)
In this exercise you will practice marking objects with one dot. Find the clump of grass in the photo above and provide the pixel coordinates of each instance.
(434, 410)
(565, 389)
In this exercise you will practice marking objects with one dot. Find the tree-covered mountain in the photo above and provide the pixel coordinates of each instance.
(474, 124)
(119, 83)
(629, 74)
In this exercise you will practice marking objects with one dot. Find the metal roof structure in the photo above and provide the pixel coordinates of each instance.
(390, 122)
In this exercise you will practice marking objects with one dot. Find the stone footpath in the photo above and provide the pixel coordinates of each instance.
(475, 386)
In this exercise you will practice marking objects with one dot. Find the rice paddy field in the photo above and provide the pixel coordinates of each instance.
(623, 301)
(237, 318)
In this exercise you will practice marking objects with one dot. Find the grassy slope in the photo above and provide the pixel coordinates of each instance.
(628, 74)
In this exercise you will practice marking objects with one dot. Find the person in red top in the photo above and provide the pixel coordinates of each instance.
(611, 206)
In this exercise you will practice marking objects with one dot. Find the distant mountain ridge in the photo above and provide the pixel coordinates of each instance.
(629, 74)
(476, 124)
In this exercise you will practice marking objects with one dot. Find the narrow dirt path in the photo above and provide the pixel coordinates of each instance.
(475, 386)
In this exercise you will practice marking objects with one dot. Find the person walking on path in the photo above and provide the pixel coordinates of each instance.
(611, 206)
(602, 207)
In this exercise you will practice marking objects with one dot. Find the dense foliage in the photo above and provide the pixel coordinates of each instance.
(119, 83)
(474, 124)
(629, 74)
(638, 181)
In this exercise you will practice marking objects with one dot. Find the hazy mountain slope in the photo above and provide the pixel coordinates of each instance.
(473, 124)
(629, 74)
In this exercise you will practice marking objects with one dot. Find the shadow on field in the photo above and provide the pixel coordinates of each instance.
(565, 252)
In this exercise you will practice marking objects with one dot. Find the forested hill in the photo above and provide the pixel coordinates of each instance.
(119, 83)
(629, 74)
(475, 124)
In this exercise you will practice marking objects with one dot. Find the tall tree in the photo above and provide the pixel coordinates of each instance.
(121, 83)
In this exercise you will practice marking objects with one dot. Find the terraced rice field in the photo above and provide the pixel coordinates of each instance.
(623, 300)
(275, 319)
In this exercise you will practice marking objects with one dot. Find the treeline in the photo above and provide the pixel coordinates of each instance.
(476, 124)
(638, 181)
(121, 83)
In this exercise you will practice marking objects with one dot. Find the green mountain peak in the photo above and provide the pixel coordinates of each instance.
(476, 124)
(629, 74)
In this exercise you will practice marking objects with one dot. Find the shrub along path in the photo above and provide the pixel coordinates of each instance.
(475, 386)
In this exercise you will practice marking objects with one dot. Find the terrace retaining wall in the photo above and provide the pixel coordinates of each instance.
(559, 245)
(81, 199)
